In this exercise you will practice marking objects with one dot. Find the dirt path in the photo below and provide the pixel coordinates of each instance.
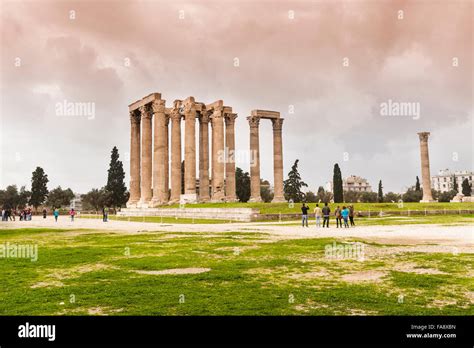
(403, 234)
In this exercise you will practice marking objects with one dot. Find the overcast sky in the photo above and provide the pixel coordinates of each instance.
(332, 63)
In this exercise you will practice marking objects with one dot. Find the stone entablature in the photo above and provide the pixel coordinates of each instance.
(152, 155)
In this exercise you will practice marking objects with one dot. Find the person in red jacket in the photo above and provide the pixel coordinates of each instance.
(72, 213)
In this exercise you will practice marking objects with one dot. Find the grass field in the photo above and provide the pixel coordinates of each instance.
(91, 272)
(285, 208)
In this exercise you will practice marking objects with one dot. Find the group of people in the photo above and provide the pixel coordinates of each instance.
(10, 214)
(345, 214)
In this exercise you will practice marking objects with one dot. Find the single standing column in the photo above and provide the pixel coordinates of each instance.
(230, 158)
(425, 167)
(175, 154)
(190, 147)
(146, 195)
(134, 159)
(204, 157)
(159, 153)
(255, 160)
(218, 156)
(277, 161)
(166, 196)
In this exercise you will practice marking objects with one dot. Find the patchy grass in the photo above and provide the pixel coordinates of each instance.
(86, 272)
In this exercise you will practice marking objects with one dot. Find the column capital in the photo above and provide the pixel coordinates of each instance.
(175, 115)
(424, 136)
(146, 111)
(158, 106)
(217, 113)
(254, 121)
(205, 117)
(277, 124)
(134, 116)
(230, 118)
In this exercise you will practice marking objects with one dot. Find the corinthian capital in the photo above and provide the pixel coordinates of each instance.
(277, 124)
(230, 119)
(146, 111)
(254, 121)
(424, 136)
(158, 106)
(134, 116)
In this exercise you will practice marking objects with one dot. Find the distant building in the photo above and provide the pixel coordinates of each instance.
(444, 181)
(76, 202)
(352, 183)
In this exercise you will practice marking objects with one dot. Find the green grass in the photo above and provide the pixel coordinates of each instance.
(156, 219)
(250, 275)
(285, 208)
(447, 220)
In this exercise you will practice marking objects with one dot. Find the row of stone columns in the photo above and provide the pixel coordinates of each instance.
(150, 166)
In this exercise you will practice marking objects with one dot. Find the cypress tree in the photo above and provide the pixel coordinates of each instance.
(115, 181)
(337, 185)
(39, 189)
(380, 193)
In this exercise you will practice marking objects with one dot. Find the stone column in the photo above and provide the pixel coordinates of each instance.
(218, 159)
(255, 160)
(159, 176)
(425, 167)
(146, 114)
(204, 157)
(190, 147)
(277, 161)
(134, 159)
(166, 195)
(230, 158)
(175, 154)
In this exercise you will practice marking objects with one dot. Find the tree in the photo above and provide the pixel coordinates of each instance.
(412, 196)
(39, 189)
(265, 192)
(324, 196)
(115, 181)
(417, 185)
(455, 184)
(337, 185)
(58, 198)
(447, 196)
(24, 197)
(369, 197)
(466, 188)
(392, 197)
(311, 197)
(10, 197)
(96, 199)
(380, 193)
(292, 186)
(242, 184)
(352, 196)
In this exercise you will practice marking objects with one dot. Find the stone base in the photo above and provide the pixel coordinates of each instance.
(188, 198)
(232, 200)
(255, 200)
(430, 201)
(132, 204)
(278, 200)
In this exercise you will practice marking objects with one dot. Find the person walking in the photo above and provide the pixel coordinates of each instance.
(72, 213)
(56, 214)
(44, 213)
(304, 219)
(345, 216)
(338, 215)
(351, 215)
(317, 215)
(326, 213)
(104, 214)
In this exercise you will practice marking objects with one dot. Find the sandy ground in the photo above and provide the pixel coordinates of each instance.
(462, 236)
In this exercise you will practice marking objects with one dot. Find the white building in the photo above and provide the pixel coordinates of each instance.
(444, 181)
(352, 183)
(76, 202)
